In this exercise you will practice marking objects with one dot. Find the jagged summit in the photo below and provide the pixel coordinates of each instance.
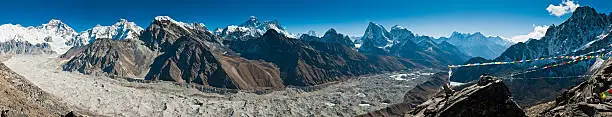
(252, 29)
(122, 29)
(164, 18)
(376, 36)
(331, 31)
(311, 33)
(252, 22)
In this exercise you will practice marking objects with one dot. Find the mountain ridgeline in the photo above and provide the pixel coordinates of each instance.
(256, 55)
(191, 54)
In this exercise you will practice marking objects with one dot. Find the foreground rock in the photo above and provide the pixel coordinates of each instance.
(586, 99)
(488, 98)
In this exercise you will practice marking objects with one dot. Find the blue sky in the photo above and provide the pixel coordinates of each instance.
(436, 18)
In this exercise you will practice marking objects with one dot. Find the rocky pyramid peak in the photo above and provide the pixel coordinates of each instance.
(273, 34)
(311, 33)
(252, 22)
(584, 11)
(331, 31)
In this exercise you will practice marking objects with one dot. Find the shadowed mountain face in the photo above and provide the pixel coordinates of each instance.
(403, 43)
(313, 63)
(116, 57)
(190, 61)
(194, 55)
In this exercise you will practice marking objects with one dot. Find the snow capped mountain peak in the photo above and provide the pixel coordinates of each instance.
(167, 20)
(331, 30)
(164, 18)
(57, 26)
(122, 29)
(253, 28)
(58, 35)
(400, 34)
(311, 33)
(252, 22)
(397, 27)
(377, 36)
(218, 31)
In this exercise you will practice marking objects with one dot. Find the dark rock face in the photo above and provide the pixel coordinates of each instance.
(489, 99)
(585, 100)
(115, 57)
(189, 60)
(331, 36)
(21, 47)
(305, 64)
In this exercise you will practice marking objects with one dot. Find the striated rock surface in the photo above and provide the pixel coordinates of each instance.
(115, 57)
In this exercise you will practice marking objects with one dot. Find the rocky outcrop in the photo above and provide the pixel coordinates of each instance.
(587, 99)
(128, 58)
(488, 98)
(305, 64)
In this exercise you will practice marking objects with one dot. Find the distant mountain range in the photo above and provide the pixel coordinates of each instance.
(248, 43)
(477, 45)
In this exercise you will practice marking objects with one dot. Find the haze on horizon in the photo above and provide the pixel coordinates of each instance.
(515, 20)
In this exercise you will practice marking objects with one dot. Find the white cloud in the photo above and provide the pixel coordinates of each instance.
(537, 33)
(563, 8)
